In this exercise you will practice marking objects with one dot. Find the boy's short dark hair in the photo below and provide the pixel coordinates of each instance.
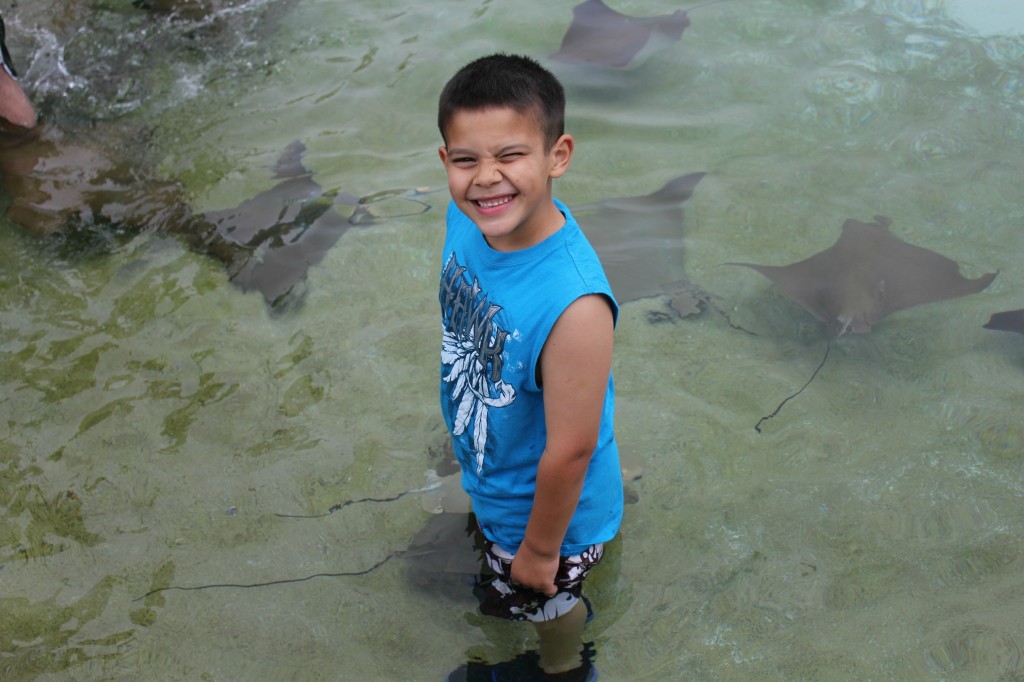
(502, 80)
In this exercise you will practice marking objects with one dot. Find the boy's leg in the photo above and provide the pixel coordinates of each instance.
(558, 620)
(561, 640)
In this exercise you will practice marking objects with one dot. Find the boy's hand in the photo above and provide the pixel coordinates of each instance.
(535, 571)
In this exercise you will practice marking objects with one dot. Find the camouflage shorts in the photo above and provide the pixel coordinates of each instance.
(503, 598)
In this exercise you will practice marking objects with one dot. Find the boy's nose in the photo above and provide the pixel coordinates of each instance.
(488, 173)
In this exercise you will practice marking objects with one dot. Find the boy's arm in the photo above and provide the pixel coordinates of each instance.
(575, 364)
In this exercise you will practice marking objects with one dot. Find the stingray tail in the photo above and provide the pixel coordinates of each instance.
(828, 349)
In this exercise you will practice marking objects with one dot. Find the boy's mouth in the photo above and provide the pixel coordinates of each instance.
(494, 202)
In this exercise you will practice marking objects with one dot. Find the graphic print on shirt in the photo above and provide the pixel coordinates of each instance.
(471, 350)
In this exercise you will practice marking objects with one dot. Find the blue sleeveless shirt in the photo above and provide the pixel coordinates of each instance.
(497, 310)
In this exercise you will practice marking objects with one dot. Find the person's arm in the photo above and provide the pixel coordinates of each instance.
(575, 364)
(15, 108)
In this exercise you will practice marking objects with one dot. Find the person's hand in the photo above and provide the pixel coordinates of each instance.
(535, 571)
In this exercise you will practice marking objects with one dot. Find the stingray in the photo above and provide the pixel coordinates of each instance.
(601, 36)
(82, 199)
(72, 189)
(640, 239)
(1008, 321)
(867, 275)
(290, 227)
(441, 554)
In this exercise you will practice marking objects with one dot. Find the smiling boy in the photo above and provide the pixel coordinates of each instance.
(526, 387)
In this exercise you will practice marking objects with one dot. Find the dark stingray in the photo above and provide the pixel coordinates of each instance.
(289, 227)
(601, 36)
(1009, 321)
(446, 551)
(84, 201)
(640, 239)
(867, 275)
(443, 557)
(87, 194)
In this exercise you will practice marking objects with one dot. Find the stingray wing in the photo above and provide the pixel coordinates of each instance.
(1008, 321)
(867, 275)
(908, 275)
(600, 35)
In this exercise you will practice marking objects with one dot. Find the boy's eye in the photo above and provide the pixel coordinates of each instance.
(463, 160)
(511, 156)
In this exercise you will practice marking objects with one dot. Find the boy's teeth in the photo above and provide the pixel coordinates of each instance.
(494, 202)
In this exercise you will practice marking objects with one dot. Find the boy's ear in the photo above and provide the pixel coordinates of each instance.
(561, 155)
(442, 151)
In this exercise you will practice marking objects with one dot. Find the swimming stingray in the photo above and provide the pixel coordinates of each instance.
(78, 193)
(867, 275)
(440, 554)
(864, 277)
(640, 239)
(599, 35)
(73, 187)
(1009, 321)
(290, 227)
(286, 229)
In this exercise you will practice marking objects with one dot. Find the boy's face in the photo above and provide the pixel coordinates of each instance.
(499, 174)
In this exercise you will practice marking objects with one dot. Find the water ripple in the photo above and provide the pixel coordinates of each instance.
(977, 650)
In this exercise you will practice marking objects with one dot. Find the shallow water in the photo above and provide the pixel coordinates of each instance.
(156, 418)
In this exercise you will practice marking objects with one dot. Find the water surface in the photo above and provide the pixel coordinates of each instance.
(156, 418)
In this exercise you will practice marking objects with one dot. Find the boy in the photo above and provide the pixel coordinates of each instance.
(526, 387)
